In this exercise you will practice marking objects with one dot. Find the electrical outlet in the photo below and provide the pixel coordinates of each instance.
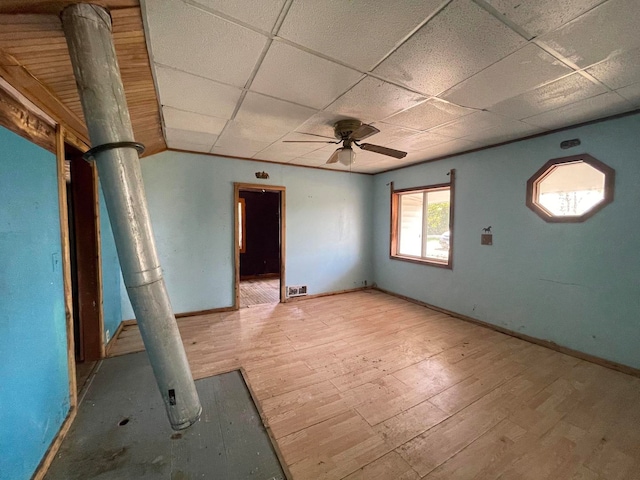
(107, 336)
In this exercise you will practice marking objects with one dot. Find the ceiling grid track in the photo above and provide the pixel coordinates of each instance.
(435, 77)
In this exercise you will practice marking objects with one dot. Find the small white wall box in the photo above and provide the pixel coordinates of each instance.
(296, 290)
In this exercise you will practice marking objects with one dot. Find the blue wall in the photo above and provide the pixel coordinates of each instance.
(33, 344)
(573, 284)
(110, 275)
(190, 196)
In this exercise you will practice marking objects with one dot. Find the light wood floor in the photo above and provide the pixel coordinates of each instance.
(368, 386)
(259, 291)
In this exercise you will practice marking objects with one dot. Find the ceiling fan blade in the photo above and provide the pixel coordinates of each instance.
(363, 131)
(334, 157)
(308, 141)
(383, 150)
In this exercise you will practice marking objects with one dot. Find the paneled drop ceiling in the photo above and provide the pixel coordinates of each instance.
(435, 77)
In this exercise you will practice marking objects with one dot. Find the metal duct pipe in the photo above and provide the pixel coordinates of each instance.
(88, 32)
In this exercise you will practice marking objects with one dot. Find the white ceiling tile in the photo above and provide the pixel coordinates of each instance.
(258, 109)
(364, 157)
(357, 32)
(251, 137)
(519, 72)
(471, 124)
(501, 134)
(541, 16)
(234, 151)
(190, 147)
(620, 70)
(389, 134)
(283, 152)
(307, 162)
(421, 141)
(262, 14)
(198, 42)
(631, 93)
(373, 99)
(448, 148)
(604, 31)
(179, 119)
(366, 168)
(175, 135)
(459, 42)
(548, 97)
(196, 94)
(316, 83)
(261, 133)
(429, 114)
(589, 109)
(322, 153)
(321, 123)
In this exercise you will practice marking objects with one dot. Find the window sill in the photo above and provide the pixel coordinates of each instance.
(422, 261)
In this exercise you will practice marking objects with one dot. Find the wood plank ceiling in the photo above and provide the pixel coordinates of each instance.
(35, 60)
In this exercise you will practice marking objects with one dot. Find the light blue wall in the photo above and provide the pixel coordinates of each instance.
(34, 398)
(574, 284)
(190, 196)
(110, 274)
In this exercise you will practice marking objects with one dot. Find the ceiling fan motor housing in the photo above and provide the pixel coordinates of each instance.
(344, 128)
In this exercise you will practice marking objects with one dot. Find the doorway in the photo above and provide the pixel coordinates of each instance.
(84, 248)
(259, 244)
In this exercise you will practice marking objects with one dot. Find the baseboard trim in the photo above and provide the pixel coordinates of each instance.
(133, 321)
(326, 294)
(527, 338)
(52, 451)
(111, 342)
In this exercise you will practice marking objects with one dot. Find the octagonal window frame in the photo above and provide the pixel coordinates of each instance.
(535, 180)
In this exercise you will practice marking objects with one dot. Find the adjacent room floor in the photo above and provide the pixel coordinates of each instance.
(259, 291)
(368, 386)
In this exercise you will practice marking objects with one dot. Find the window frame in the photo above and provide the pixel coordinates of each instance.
(394, 236)
(544, 171)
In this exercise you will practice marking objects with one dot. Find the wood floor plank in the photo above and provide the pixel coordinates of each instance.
(368, 386)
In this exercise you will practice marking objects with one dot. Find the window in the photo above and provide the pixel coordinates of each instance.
(421, 224)
(570, 189)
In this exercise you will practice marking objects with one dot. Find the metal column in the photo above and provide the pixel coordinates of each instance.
(88, 32)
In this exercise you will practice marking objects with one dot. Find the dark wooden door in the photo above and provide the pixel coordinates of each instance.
(85, 258)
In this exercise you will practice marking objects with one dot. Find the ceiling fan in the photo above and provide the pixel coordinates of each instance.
(349, 133)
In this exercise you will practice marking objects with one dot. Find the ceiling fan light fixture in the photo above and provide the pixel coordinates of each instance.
(346, 156)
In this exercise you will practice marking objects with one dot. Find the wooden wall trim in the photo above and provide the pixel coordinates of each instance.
(49, 456)
(66, 264)
(537, 341)
(29, 86)
(52, 451)
(283, 235)
(16, 117)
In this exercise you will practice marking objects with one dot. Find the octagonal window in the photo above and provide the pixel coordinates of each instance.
(570, 189)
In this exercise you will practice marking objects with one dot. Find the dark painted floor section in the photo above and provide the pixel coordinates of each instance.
(122, 431)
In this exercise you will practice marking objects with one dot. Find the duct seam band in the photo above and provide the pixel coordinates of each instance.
(141, 279)
(91, 153)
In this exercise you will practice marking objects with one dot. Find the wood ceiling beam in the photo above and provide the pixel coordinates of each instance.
(56, 6)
